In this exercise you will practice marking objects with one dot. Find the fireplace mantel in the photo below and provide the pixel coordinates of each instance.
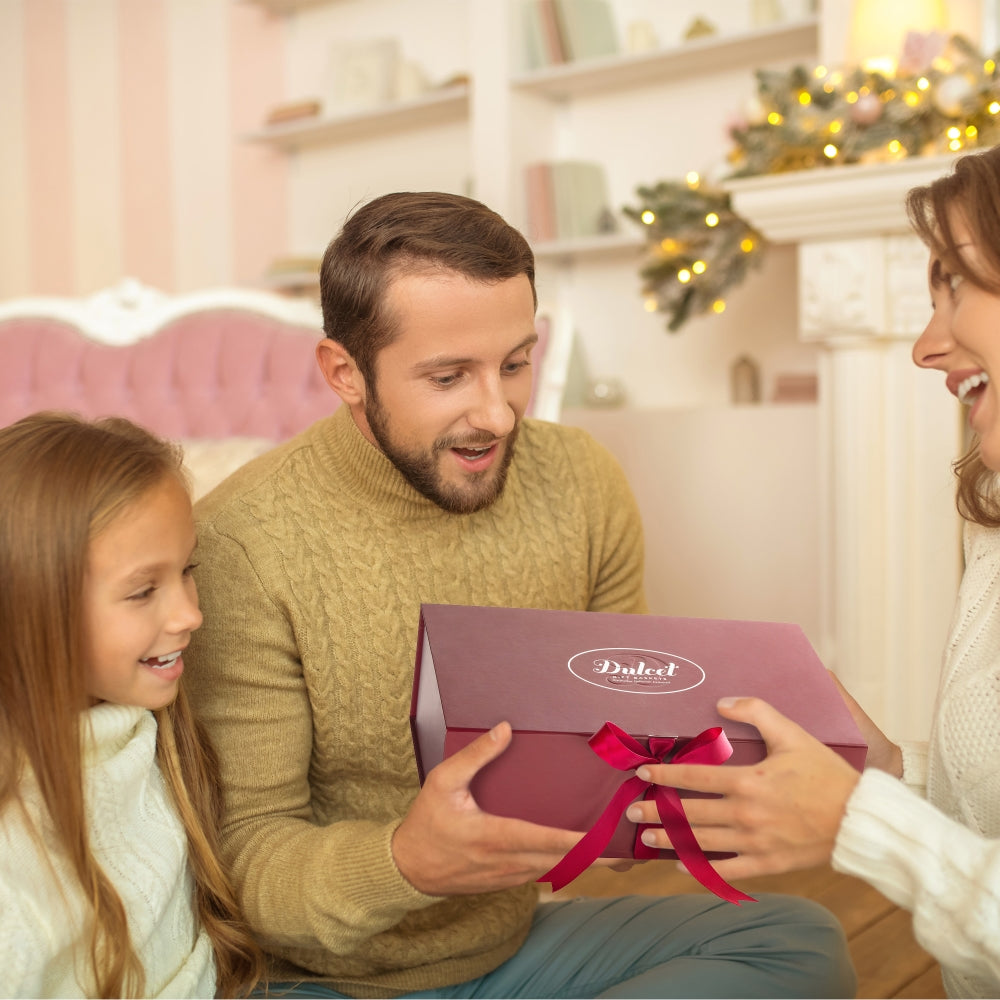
(889, 431)
(832, 203)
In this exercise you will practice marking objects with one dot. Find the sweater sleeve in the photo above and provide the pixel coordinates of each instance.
(947, 875)
(301, 885)
(618, 546)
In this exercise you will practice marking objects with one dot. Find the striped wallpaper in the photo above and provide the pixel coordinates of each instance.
(120, 149)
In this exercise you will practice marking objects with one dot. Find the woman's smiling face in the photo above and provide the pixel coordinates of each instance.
(963, 340)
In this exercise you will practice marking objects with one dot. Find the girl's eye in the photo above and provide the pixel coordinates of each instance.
(190, 568)
(141, 595)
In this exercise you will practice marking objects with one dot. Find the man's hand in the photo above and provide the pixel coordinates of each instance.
(448, 846)
(778, 815)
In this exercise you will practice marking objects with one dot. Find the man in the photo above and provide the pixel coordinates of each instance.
(427, 485)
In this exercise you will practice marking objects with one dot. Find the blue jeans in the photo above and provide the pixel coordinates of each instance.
(655, 946)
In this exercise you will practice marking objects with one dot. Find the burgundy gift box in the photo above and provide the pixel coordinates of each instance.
(558, 676)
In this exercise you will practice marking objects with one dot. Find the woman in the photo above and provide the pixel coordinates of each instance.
(922, 824)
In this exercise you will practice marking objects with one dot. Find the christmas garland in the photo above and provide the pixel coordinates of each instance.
(944, 96)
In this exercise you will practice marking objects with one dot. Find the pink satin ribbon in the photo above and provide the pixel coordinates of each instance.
(621, 751)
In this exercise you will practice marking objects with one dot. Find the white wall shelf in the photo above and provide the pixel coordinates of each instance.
(450, 104)
(285, 6)
(703, 55)
(614, 245)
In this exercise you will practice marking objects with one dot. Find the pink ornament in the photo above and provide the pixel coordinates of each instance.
(866, 110)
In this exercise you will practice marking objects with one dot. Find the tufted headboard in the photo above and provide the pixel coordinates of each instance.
(226, 372)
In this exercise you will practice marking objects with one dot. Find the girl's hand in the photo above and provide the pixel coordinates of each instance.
(778, 815)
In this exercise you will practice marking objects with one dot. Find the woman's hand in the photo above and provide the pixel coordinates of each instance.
(778, 815)
(882, 752)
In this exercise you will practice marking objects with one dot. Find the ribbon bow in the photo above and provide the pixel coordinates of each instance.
(613, 745)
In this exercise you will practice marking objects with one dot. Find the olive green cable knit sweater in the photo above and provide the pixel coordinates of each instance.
(313, 562)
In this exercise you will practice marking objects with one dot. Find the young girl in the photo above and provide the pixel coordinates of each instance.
(109, 878)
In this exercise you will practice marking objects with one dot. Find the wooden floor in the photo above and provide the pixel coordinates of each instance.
(888, 960)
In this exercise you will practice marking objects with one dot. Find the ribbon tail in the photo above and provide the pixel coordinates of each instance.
(675, 822)
(589, 847)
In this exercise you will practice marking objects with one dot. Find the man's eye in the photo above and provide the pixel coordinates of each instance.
(444, 380)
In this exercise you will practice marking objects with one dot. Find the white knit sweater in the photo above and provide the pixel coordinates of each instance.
(932, 842)
(140, 844)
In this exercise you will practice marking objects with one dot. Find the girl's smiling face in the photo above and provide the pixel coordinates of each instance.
(140, 602)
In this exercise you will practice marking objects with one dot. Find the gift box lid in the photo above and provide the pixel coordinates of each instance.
(571, 671)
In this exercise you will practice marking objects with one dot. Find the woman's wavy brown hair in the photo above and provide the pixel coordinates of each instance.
(63, 481)
(971, 192)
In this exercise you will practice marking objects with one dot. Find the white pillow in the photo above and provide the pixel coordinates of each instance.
(209, 461)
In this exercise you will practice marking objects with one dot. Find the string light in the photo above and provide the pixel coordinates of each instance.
(699, 267)
(719, 306)
(648, 217)
(683, 275)
(711, 220)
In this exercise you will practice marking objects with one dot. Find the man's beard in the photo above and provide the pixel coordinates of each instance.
(420, 468)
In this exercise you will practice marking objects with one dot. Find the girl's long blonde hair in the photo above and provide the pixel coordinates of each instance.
(62, 481)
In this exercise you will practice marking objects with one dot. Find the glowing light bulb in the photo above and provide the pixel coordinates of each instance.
(747, 244)
(895, 146)
(699, 267)
(669, 245)
(711, 220)
(805, 98)
(835, 127)
(923, 83)
(718, 306)
(683, 275)
(830, 150)
(649, 305)
(774, 118)
(693, 178)
(993, 107)
(648, 217)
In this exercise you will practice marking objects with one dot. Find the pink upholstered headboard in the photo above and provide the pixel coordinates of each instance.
(217, 364)
(225, 372)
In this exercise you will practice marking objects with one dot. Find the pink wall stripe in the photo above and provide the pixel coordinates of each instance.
(260, 175)
(13, 163)
(147, 211)
(47, 142)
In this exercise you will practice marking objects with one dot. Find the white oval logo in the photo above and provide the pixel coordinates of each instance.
(636, 671)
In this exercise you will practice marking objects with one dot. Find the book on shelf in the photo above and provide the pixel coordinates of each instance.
(587, 28)
(293, 111)
(567, 199)
(558, 31)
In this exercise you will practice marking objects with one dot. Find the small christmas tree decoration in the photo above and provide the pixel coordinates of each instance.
(699, 248)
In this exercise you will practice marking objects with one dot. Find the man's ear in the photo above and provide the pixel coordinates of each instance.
(340, 371)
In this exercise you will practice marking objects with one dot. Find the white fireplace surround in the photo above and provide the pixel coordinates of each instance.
(888, 431)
